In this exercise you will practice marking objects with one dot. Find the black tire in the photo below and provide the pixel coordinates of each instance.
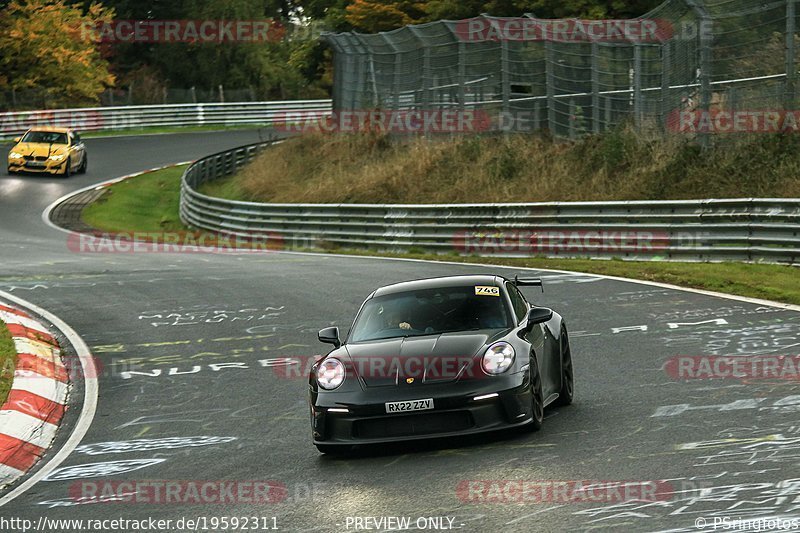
(9, 172)
(537, 399)
(84, 165)
(67, 168)
(332, 449)
(567, 391)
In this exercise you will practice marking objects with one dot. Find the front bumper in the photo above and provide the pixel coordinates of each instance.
(455, 412)
(48, 167)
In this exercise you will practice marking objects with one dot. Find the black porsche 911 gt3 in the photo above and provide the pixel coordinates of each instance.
(440, 357)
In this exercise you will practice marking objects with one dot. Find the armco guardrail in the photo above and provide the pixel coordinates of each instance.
(763, 230)
(137, 117)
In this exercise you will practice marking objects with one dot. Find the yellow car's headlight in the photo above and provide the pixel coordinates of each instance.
(57, 157)
(14, 155)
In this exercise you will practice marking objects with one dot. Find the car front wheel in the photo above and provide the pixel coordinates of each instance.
(68, 168)
(537, 399)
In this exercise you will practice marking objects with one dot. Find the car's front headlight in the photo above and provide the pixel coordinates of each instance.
(15, 155)
(330, 374)
(57, 157)
(498, 358)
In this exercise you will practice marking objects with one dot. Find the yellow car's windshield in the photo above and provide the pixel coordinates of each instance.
(46, 137)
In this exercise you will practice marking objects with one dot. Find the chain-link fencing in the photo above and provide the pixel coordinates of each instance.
(694, 66)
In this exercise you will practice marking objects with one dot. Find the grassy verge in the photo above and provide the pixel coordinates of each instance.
(620, 165)
(149, 203)
(8, 362)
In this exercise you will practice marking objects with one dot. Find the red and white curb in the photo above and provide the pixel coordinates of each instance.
(36, 402)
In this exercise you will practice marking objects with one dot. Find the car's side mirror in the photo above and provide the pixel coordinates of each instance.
(17, 140)
(330, 336)
(539, 315)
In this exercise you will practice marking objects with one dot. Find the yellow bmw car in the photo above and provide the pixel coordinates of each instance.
(46, 150)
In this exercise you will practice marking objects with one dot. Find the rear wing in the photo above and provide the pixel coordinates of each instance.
(528, 282)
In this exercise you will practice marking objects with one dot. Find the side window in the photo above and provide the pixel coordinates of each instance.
(520, 306)
(76, 138)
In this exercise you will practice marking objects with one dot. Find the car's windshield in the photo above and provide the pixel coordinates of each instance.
(47, 137)
(430, 312)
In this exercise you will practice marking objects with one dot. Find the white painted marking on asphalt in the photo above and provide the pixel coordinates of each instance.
(546, 509)
(89, 397)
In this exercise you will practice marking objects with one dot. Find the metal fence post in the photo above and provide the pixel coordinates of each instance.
(462, 74)
(550, 81)
(705, 64)
(505, 76)
(637, 85)
(573, 118)
(791, 70)
(595, 87)
(666, 68)
(426, 73)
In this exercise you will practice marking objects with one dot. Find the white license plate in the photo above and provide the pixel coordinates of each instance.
(410, 405)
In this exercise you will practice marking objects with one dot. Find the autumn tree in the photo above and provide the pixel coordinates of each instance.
(589, 9)
(372, 16)
(45, 46)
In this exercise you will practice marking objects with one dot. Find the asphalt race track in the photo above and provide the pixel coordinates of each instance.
(203, 335)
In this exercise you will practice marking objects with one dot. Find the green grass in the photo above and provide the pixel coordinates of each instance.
(149, 203)
(8, 362)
